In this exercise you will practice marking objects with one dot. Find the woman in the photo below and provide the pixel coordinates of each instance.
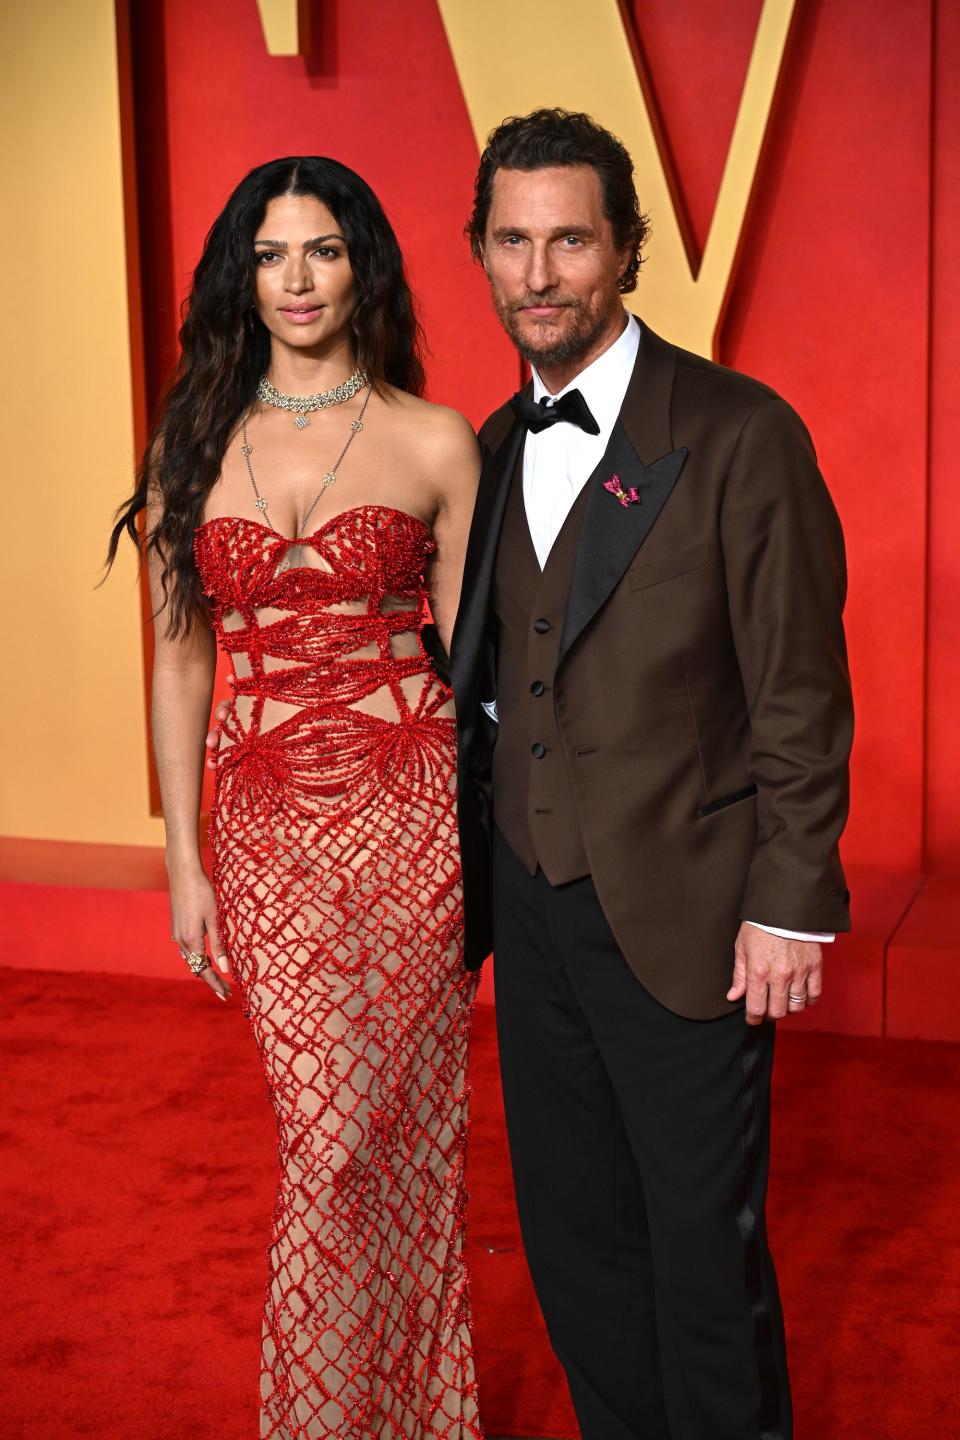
(302, 502)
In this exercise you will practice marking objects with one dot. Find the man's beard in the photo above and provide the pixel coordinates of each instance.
(577, 340)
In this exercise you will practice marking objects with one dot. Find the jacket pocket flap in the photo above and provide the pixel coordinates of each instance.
(726, 801)
(650, 572)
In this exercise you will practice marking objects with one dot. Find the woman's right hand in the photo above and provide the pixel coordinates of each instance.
(193, 914)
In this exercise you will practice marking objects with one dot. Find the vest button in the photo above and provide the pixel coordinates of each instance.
(538, 750)
(541, 626)
(537, 688)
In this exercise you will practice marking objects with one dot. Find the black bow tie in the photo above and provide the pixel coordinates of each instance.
(540, 415)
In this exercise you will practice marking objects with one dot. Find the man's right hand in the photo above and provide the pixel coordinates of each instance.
(212, 741)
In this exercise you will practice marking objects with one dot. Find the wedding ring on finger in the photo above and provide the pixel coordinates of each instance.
(197, 961)
(797, 999)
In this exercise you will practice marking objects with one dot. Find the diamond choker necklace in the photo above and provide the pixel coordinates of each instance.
(300, 405)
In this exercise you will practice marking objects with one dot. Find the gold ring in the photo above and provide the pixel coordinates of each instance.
(197, 961)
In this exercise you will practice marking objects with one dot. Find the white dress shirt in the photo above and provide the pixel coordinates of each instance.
(558, 461)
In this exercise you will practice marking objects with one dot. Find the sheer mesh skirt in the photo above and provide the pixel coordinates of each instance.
(344, 930)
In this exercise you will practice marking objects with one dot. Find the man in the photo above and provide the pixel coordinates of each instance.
(654, 727)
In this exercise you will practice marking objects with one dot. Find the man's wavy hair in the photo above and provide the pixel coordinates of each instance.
(564, 137)
(225, 348)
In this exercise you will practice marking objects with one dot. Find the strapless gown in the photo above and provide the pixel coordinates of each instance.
(337, 875)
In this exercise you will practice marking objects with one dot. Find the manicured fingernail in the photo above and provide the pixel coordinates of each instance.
(222, 962)
(219, 995)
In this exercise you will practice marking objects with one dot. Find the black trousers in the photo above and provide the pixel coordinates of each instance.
(640, 1148)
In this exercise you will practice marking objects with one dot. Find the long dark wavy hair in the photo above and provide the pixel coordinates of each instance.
(225, 348)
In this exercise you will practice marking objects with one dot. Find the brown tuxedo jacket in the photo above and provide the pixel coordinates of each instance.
(701, 691)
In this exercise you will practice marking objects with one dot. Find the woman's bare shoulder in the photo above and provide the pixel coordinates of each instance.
(438, 441)
(434, 426)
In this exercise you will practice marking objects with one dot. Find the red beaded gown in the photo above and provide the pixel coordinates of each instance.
(337, 876)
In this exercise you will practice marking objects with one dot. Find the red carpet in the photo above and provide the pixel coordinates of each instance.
(137, 1189)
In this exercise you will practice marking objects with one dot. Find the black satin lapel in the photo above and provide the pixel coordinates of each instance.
(613, 533)
(471, 621)
(645, 413)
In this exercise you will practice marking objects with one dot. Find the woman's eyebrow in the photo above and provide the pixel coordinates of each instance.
(317, 240)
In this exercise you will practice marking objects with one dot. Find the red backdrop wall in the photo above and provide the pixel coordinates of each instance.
(847, 288)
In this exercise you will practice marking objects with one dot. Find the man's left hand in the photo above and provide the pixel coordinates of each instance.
(778, 977)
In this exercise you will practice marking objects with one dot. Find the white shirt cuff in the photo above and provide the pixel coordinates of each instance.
(818, 937)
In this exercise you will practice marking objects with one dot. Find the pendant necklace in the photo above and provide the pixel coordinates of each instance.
(246, 450)
(300, 405)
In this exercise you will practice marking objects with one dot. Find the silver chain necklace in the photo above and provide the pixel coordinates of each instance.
(300, 405)
(246, 450)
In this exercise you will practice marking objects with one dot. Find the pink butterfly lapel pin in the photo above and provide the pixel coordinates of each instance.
(626, 497)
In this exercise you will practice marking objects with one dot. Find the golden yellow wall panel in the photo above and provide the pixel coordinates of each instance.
(72, 725)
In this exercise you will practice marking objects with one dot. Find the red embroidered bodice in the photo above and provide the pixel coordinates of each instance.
(314, 639)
